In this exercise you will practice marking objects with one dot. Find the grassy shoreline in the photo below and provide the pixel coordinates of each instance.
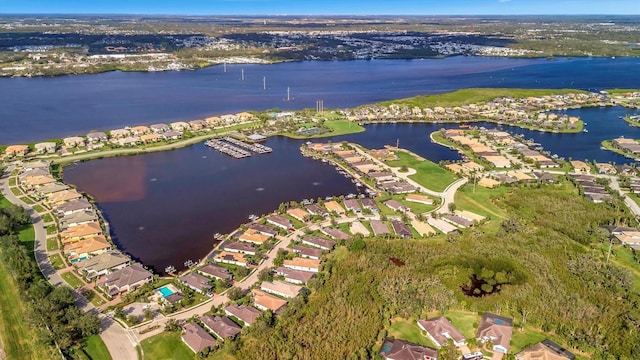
(607, 145)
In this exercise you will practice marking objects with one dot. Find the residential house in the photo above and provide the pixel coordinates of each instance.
(140, 130)
(197, 125)
(469, 215)
(421, 199)
(172, 135)
(239, 247)
(78, 218)
(298, 214)
(396, 206)
(302, 264)
(442, 225)
(197, 338)
(352, 205)
(496, 328)
(628, 237)
(318, 242)
(264, 301)
(83, 249)
(96, 137)
(179, 126)
(73, 141)
(440, 330)
(226, 257)
(607, 169)
(264, 229)
(457, 220)
(294, 276)
(333, 206)
(281, 288)
(422, 228)
(245, 313)
(196, 282)
(37, 164)
(103, 264)
(119, 133)
(216, 272)
(128, 141)
(16, 150)
(254, 236)
(335, 233)
(394, 349)
(580, 167)
(73, 206)
(45, 147)
(213, 121)
(51, 188)
(545, 350)
(379, 228)
(370, 204)
(280, 221)
(36, 182)
(357, 227)
(159, 128)
(126, 279)
(315, 209)
(401, 229)
(60, 197)
(221, 326)
(151, 138)
(307, 252)
(80, 232)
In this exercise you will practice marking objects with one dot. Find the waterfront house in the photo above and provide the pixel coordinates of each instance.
(73, 141)
(128, 141)
(140, 130)
(226, 257)
(80, 232)
(294, 276)
(307, 252)
(159, 128)
(221, 326)
(280, 221)
(228, 118)
(151, 138)
(196, 282)
(63, 196)
(421, 199)
(103, 264)
(396, 206)
(545, 350)
(264, 229)
(254, 236)
(335, 233)
(197, 338)
(36, 182)
(333, 206)
(37, 164)
(197, 125)
(401, 229)
(213, 121)
(315, 209)
(96, 137)
(580, 167)
(607, 169)
(496, 328)
(440, 330)
(370, 204)
(126, 279)
(352, 205)
(357, 227)
(73, 206)
(172, 135)
(119, 133)
(245, 116)
(379, 228)
(26, 174)
(264, 301)
(45, 147)
(281, 288)
(394, 349)
(179, 126)
(302, 264)
(77, 218)
(245, 313)
(216, 272)
(239, 247)
(16, 151)
(51, 188)
(298, 214)
(83, 249)
(318, 242)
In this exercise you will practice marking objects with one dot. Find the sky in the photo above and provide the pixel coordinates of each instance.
(323, 7)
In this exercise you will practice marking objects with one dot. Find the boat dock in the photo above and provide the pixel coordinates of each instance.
(257, 148)
(225, 148)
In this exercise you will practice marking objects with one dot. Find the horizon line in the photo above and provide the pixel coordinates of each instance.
(301, 14)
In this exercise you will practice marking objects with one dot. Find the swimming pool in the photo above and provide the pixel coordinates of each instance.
(166, 291)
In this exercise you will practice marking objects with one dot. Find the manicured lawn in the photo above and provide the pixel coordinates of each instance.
(52, 244)
(57, 262)
(428, 174)
(16, 191)
(96, 349)
(525, 338)
(19, 340)
(47, 218)
(166, 346)
(12, 181)
(27, 200)
(96, 300)
(51, 229)
(38, 208)
(463, 321)
(408, 330)
(341, 127)
(4, 202)
(72, 280)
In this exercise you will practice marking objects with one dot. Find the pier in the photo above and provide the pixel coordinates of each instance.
(257, 148)
(225, 148)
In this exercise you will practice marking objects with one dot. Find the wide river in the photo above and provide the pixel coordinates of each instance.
(165, 207)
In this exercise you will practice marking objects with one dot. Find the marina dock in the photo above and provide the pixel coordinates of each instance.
(236, 148)
(257, 148)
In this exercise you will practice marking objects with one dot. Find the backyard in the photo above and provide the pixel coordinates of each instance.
(166, 346)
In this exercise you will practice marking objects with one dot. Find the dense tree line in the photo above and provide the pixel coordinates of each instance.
(550, 279)
(12, 218)
(52, 311)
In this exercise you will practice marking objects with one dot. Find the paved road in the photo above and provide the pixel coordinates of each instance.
(113, 335)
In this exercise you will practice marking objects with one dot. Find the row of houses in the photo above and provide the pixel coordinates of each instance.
(592, 190)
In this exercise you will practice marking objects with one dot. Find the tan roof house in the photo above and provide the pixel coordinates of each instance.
(45, 147)
(281, 288)
(213, 121)
(197, 125)
(580, 167)
(63, 196)
(16, 150)
(120, 133)
(104, 263)
(440, 330)
(334, 206)
(298, 214)
(253, 236)
(82, 249)
(96, 136)
(80, 232)
(126, 279)
(496, 328)
(140, 130)
(302, 264)
(227, 257)
(245, 313)
(38, 181)
(264, 301)
(545, 350)
(421, 199)
(151, 138)
(73, 141)
(221, 326)
(197, 338)
(180, 126)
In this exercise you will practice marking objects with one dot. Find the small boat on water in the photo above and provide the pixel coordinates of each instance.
(170, 269)
(253, 217)
(189, 263)
(585, 131)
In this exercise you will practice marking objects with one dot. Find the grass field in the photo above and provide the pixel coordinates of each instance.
(4, 202)
(38, 208)
(166, 346)
(47, 218)
(479, 201)
(52, 244)
(408, 330)
(72, 280)
(18, 337)
(335, 127)
(57, 262)
(51, 229)
(96, 349)
(463, 321)
(429, 174)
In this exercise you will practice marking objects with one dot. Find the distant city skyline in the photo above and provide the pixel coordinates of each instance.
(326, 7)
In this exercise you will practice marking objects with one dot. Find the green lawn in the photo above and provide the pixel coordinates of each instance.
(96, 349)
(19, 340)
(16, 191)
(96, 299)
(464, 321)
(623, 257)
(166, 346)
(47, 218)
(428, 174)
(408, 330)
(57, 262)
(51, 229)
(27, 200)
(39, 209)
(4, 202)
(341, 127)
(524, 338)
(52, 244)
(12, 181)
(479, 200)
(72, 280)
